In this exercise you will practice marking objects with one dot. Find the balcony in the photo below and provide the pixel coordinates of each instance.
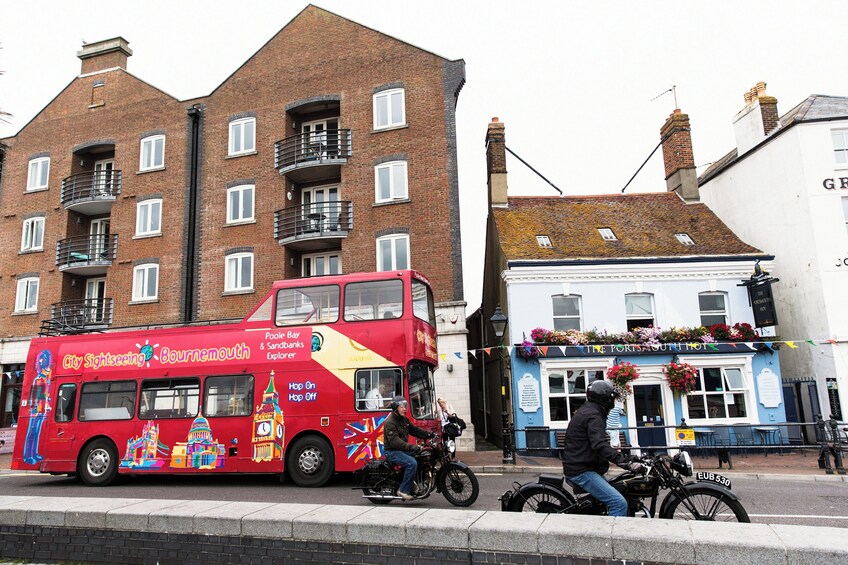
(313, 227)
(75, 316)
(91, 193)
(86, 254)
(313, 156)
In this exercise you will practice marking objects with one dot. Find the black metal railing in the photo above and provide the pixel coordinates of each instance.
(312, 148)
(325, 219)
(83, 250)
(82, 314)
(91, 185)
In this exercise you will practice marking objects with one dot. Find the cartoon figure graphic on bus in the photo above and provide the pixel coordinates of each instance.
(364, 439)
(144, 451)
(269, 430)
(317, 341)
(39, 406)
(201, 451)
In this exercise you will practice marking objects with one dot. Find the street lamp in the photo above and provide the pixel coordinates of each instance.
(499, 321)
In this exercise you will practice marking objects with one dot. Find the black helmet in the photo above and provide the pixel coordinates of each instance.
(397, 401)
(603, 393)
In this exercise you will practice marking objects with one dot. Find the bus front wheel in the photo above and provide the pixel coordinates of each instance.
(98, 463)
(310, 461)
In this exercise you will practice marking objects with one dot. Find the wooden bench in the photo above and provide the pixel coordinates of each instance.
(560, 441)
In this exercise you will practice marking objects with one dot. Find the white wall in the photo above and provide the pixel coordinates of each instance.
(453, 385)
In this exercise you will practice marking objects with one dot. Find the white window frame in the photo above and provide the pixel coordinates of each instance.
(725, 312)
(152, 165)
(141, 230)
(395, 240)
(385, 96)
(140, 292)
(235, 261)
(237, 134)
(543, 241)
(840, 146)
(629, 317)
(33, 229)
(38, 173)
(26, 295)
(607, 234)
(242, 188)
(684, 238)
(395, 192)
(743, 363)
(313, 257)
(562, 367)
(845, 211)
(578, 317)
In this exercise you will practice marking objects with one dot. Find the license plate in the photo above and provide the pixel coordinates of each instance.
(715, 478)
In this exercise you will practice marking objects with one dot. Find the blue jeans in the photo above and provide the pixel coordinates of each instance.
(598, 487)
(410, 466)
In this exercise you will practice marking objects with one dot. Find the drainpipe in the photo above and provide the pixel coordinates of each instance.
(194, 114)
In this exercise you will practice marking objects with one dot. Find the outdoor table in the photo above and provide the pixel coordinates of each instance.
(769, 435)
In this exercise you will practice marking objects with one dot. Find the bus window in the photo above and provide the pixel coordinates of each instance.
(376, 388)
(373, 300)
(308, 305)
(422, 302)
(107, 401)
(65, 403)
(169, 398)
(422, 399)
(228, 396)
(263, 312)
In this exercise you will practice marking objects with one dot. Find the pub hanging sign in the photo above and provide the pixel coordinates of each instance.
(761, 298)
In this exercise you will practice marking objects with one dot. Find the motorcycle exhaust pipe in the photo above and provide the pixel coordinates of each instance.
(382, 496)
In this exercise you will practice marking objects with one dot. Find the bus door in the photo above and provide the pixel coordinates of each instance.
(229, 411)
(61, 427)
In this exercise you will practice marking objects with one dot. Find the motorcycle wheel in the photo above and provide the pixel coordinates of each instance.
(712, 506)
(377, 500)
(541, 500)
(459, 486)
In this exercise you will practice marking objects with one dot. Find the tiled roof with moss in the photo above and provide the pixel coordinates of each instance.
(644, 225)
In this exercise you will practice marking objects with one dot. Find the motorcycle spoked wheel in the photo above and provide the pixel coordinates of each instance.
(459, 486)
(712, 506)
(540, 500)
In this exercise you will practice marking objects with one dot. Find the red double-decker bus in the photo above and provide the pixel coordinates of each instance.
(301, 385)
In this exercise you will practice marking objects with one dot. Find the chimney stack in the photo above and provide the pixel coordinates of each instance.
(680, 176)
(106, 54)
(756, 120)
(496, 163)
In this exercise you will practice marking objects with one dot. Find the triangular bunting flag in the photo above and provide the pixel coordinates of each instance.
(750, 345)
(713, 346)
(543, 349)
(598, 348)
(732, 344)
(674, 347)
(833, 341)
(563, 349)
(488, 350)
(471, 352)
(767, 344)
(811, 342)
(458, 354)
(509, 349)
(791, 344)
(581, 349)
(443, 357)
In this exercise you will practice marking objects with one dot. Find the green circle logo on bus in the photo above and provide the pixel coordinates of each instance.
(148, 351)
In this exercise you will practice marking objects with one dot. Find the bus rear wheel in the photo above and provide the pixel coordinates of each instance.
(310, 461)
(98, 463)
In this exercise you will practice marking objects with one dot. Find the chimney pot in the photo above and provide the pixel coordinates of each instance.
(495, 120)
(105, 54)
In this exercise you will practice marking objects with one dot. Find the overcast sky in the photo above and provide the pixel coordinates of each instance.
(573, 81)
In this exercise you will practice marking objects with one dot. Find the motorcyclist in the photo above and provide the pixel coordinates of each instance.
(399, 451)
(587, 453)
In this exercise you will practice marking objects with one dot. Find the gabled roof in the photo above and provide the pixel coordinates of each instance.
(645, 225)
(817, 107)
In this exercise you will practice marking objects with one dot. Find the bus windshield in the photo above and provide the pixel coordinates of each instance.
(422, 401)
(422, 302)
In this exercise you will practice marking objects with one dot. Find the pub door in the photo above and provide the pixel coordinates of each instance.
(650, 416)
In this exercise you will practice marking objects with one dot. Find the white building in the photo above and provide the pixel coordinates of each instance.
(784, 189)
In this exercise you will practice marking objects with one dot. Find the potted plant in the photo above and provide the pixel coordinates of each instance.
(527, 350)
(681, 377)
(621, 375)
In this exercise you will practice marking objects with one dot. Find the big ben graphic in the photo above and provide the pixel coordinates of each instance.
(269, 431)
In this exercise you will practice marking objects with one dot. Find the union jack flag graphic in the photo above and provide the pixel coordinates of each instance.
(364, 439)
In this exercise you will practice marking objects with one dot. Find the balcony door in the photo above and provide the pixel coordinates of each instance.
(103, 180)
(321, 208)
(320, 138)
(99, 242)
(95, 292)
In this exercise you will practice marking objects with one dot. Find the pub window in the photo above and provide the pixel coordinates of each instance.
(713, 306)
(169, 398)
(567, 392)
(228, 396)
(566, 312)
(719, 393)
(107, 401)
(840, 146)
(639, 310)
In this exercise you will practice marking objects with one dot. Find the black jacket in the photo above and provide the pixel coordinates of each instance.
(396, 432)
(587, 446)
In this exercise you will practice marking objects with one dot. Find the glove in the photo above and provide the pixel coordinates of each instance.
(414, 450)
(433, 435)
(636, 467)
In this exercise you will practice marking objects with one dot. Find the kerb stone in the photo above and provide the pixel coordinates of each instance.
(226, 520)
(442, 528)
(327, 523)
(135, 516)
(576, 535)
(275, 521)
(179, 518)
(388, 525)
(508, 532)
(810, 545)
(731, 544)
(92, 513)
(652, 540)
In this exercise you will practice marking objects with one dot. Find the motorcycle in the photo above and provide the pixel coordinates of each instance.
(707, 498)
(438, 470)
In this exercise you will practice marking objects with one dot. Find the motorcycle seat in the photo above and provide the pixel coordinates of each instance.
(574, 487)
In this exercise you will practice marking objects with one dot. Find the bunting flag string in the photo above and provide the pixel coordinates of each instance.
(458, 354)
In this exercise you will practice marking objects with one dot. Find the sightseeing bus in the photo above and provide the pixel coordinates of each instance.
(300, 386)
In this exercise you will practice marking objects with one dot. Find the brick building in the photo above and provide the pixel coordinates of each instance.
(123, 206)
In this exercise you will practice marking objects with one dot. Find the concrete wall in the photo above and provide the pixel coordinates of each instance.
(127, 531)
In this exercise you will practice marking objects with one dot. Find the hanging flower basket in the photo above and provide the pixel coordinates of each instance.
(621, 375)
(527, 350)
(681, 377)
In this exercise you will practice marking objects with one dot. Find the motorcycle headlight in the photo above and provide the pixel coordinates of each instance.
(450, 445)
(682, 463)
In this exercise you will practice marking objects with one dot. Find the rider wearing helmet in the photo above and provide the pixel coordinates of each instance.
(399, 451)
(587, 453)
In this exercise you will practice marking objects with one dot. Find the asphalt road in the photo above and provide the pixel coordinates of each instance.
(781, 501)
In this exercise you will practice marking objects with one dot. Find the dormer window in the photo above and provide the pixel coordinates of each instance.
(607, 234)
(684, 238)
(543, 241)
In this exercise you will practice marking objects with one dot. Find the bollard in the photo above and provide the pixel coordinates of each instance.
(836, 446)
(824, 452)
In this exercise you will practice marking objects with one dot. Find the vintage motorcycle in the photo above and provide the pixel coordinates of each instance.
(438, 470)
(707, 498)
